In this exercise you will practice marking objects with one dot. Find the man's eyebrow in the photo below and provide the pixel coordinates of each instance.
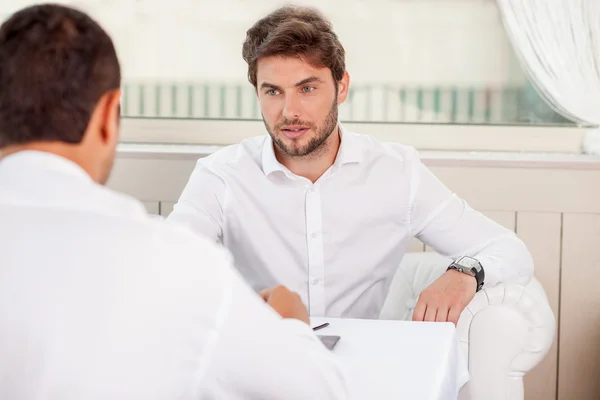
(310, 79)
(268, 85)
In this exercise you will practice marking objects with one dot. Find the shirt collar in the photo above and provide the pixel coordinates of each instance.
(350, 151)
(40, 160)
(269, 161)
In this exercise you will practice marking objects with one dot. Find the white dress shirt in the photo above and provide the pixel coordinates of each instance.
(99, 301)
(339, 241)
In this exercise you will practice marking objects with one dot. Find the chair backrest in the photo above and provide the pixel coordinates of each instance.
(415, 273)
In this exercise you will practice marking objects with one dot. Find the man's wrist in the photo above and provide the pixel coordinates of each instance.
(469, 266)
(468, 279)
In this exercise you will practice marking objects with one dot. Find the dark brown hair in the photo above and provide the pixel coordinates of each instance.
(55, 64)
(294, 32)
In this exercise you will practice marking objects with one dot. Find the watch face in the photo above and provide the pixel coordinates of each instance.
(469, 263)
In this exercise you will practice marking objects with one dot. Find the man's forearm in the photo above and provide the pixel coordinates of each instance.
(505, 259)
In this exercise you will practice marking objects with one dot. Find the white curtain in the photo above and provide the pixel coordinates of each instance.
(558, 43)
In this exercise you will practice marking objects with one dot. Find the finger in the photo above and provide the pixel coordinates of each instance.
(442, 315)
(454, 314)
(419, 312)
(265, 294)
(431, 313)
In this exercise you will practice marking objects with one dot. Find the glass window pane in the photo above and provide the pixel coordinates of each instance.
(424, 61)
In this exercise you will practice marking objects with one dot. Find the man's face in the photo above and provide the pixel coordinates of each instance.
(299, 103)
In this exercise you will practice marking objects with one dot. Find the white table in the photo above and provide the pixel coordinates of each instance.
(398, 359)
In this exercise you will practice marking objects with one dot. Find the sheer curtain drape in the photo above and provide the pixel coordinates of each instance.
(558, 43)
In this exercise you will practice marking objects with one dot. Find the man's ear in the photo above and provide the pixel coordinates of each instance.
(110, 115)
(343, 87)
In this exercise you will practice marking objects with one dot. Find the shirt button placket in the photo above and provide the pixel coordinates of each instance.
(314, 225)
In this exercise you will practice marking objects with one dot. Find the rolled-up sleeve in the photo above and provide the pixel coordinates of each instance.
(446, 223)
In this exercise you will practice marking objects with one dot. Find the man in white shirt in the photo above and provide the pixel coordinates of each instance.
(97, 299)
(327, 212)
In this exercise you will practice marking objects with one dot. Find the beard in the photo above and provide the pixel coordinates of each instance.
(315, 144)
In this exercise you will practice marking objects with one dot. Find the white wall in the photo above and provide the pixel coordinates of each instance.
(433, 42)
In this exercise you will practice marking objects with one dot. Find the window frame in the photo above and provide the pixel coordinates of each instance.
(423, 136)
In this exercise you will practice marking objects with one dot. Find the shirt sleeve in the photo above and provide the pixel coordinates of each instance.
(451, 227)
(200, 206)
(259, 355)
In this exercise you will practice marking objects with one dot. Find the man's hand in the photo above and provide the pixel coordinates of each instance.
(446, 298)
(287, 303)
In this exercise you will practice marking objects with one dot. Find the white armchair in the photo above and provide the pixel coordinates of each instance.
(504, 332)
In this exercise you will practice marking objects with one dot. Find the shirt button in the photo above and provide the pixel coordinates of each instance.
(315, 282)
(312, 189)
(313, 235)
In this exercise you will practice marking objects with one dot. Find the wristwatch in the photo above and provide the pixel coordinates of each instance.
(470, 266)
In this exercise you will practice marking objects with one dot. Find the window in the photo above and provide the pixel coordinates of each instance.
(411, 62)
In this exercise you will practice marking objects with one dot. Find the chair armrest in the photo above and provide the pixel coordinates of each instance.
(505, 331)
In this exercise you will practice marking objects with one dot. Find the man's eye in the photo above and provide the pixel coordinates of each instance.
(272, 92)
(307, 89)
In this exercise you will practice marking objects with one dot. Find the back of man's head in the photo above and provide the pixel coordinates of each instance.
(56, 65)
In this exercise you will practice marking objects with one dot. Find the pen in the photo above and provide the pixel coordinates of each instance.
(316, 328)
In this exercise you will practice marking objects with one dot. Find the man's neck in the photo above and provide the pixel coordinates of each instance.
(314, 165)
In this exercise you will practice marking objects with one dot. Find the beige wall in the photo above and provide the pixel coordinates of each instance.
(553, 204)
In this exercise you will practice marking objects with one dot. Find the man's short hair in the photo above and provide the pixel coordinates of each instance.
(293, 31)
(55, 64)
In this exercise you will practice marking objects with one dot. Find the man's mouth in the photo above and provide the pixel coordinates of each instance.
(294, 132)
